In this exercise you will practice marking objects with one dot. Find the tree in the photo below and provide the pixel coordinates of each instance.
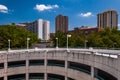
(17, 35)
(76, 40)
(106, 38)
(61, 39)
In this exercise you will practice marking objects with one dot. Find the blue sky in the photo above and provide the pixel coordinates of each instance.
(80, 12)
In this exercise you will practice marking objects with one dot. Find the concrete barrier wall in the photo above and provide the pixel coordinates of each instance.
(16, 70)
(107, 64)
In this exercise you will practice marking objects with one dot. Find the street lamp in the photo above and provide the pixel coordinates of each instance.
(56, 42)
(8, 44)
(67, 39)
(28, 43)
(86, 43)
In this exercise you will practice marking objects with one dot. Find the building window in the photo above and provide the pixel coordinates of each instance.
(17, 77)
(36, 76)
(1, 66)
(56, 63)
(16, 64)
(79, 67)
(36, 62)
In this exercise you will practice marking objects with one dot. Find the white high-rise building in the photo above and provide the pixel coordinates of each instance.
(41, 28)
(46, 30)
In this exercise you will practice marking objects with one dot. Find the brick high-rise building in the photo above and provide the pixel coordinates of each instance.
(62, 23)
(108, 18)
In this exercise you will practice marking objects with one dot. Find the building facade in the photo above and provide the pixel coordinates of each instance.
(61, 23)
(108, 18)
(85, 30)
(41, 28)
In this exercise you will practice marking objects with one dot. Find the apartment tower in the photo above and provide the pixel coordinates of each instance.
(108, 18)
(41, 28)
(62, 23)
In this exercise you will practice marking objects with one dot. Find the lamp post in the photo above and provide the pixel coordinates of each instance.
(67, 39)
(56, 42)
(28, 43)
(86, 43)
(8, 44)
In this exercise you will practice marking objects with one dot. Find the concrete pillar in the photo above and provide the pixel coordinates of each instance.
(45, 76)
(5, 77)
(92, 73)
(27, 76)
(45, 64)
(27, 67)
(118, 66)
(5, 67)
(66, 65)
(92, 66)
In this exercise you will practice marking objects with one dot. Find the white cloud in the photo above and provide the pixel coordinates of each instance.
(42, 7)
(118, 25)
(88, 14)
(3, 9)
